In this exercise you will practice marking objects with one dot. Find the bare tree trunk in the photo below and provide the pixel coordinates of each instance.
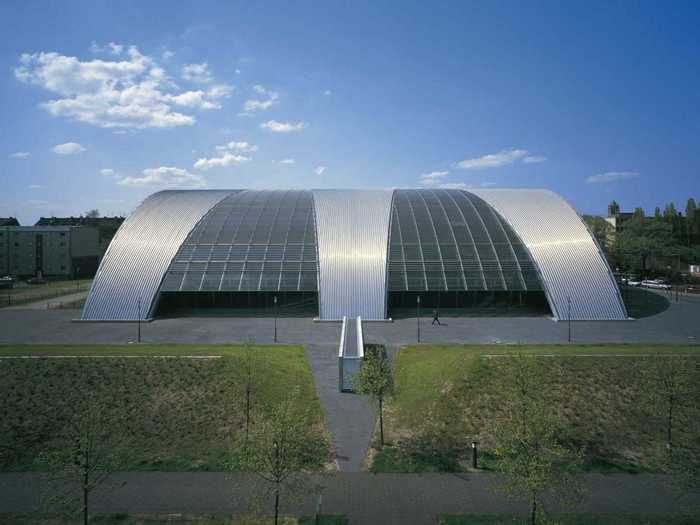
(670, 423)
(277, 503)
(247, 411)
(381, 423)
(533, 513)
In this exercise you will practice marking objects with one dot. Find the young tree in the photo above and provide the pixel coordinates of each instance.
(92, 214)
(283, 445)
(85, 457)
(670, 385)
(529, 451)
(249, 371)
(375, 379)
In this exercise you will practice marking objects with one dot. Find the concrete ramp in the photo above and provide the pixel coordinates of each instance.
(351, 352)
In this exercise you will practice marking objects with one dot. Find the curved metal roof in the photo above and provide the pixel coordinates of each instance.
(354, 246)
(138, 256)
(572, 266)
(353, 228)
(253, 240)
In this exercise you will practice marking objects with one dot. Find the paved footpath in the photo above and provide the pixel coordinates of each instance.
(364, 498)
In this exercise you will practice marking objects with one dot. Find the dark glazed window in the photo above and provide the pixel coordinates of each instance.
(250, 241)
(453, 240)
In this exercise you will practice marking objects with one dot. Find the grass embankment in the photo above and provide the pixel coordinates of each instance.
(445, 396)
(23, 293)
(574, 519)
(169, 519)
(178, 414)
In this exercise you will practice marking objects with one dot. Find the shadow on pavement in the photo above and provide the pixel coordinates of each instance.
(642, 303)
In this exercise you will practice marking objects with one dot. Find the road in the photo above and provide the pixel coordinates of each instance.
(364, 498)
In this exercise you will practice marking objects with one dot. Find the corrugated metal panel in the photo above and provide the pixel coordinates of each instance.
(566, 254)
(141, 252)
(352, 227)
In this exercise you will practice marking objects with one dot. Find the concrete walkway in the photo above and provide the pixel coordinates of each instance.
(350, 417)
(363, 498)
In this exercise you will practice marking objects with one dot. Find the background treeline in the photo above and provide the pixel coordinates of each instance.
(662, 244)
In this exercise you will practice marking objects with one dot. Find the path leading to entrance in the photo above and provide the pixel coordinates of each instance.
(389, 499)
(349, 417)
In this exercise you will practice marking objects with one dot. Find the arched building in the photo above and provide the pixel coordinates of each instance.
(353, 252)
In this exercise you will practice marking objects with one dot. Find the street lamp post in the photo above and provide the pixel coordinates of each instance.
(418, 316)
(275, 301)
(568, 305)
(138, 338)
(474, 444)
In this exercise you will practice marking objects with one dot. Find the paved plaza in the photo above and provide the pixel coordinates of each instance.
(676, 323)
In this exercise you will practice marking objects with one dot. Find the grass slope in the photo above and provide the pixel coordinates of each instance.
(180, 414)
(26, 293)
(444, 396)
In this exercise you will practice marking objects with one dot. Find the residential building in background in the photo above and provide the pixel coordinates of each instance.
(49, 251)
(106, 226)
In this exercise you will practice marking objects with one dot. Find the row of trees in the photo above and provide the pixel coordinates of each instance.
(532, 447)
(663, 244)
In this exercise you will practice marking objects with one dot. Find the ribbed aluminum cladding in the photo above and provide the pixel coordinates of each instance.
(570, 261)
(141, 251)
(352, 227)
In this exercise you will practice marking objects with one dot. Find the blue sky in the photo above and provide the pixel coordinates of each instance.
(103, 103)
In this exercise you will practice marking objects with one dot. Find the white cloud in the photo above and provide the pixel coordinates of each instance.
(238, 146)
(611, 176)
(432, 178)
(534, 159)
(35, 186)
(252, 105)
(494, 160)
(107, 172)
(487, 184)
(319, 170)
(167, 55)
(198, 73)
(20, 155)
(237, 71)
(453, 186)
(283, 127)
(220, 91)
(129, 92)
(287, 161)
(227, 159)
(69, 148)
(165, 176)
(328, 92)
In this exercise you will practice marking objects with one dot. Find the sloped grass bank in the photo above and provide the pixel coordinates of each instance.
(445, 395)
(176, 414)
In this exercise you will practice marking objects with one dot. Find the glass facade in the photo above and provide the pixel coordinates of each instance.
(261, 241)
(452, 240)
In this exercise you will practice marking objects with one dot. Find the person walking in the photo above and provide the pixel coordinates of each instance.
(436, 319)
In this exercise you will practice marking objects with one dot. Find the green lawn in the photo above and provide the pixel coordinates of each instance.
(574, 519)
(170, 519)
(178, 414)
(444, 396)
(23, 293)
